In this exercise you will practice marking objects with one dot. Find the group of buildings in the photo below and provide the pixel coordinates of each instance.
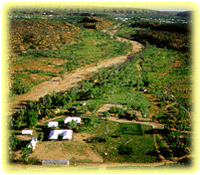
(55, 134)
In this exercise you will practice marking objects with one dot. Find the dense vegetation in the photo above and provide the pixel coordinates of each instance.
(172, 36)
(123, 85)
(175, 27)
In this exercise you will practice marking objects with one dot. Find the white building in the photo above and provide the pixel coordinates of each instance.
(69, 119)
(55, 162)
(27, 132)
(66, 134)
(52, 124)
(32, 143)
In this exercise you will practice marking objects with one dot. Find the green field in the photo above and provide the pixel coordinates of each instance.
(124, 145)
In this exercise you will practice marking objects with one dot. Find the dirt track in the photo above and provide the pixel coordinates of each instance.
(71, 79)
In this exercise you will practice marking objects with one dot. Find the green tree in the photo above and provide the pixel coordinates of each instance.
(18, 87)
(14, 142)
(20, 117)
(40, 136)
(32, 119)
(25, 153)
(72, 125)
(47, 101)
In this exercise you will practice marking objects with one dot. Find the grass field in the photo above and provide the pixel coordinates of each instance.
(122, 146)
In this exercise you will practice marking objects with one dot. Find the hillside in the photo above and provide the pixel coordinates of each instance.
(186, 14)
(96, 11)
(40, 35)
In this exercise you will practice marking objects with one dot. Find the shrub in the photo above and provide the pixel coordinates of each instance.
(96, 139)
(40, 136)
(25, 153)
(93, 105)
(32, 118)
(14, 142)
(89, 123)
(124, 150)
(19, 88)
(107, 114)
(72, 125)
(34, 161)
(122, 113)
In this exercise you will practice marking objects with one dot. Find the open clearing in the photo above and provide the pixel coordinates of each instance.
(75, 149)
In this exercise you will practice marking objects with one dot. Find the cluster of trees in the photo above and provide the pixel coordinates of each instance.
(175, 27)
(122, 113)
(15, 143)
(44, 107)
(178, 143)
(170, 40)
(30, 117)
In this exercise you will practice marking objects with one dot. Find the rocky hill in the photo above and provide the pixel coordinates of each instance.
(40, 35)
(46, 34)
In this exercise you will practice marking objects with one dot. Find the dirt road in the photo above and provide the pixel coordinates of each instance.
(71, 79)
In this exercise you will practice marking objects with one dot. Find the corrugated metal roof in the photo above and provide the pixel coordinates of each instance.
(52, 124)
(26, 131)
(69, 119)
(65, 133)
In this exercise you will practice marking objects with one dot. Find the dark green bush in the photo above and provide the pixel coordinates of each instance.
(93, 105)
(18, 87)
(14, 143)
(72, 125)
(124, 150)
(32, 118)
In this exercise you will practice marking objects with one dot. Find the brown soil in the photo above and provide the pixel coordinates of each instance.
(75, 149)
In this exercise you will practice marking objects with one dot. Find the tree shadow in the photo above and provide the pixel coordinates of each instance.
(152, 153)
(165, 152)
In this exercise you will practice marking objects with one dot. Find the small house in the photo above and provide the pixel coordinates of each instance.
(27, 132)
(69, 119)
(32, 143)
(52, 124)
(65, 134)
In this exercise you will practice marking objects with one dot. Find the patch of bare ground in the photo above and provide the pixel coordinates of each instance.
(75, 149)
(47, 64)
(37, 77)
